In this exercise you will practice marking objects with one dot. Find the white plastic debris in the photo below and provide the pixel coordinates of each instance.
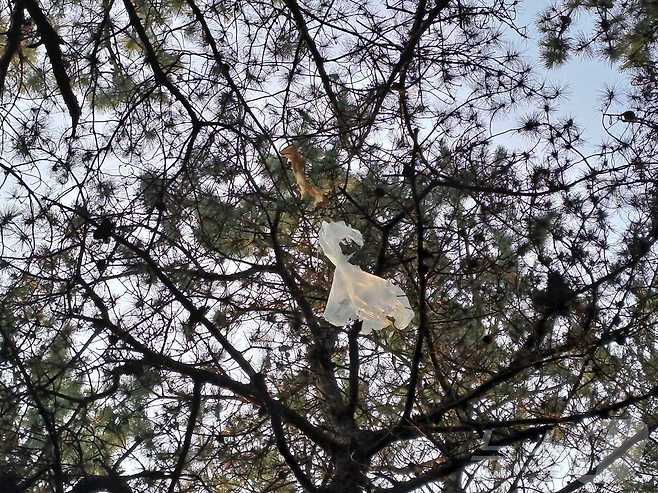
(358, 295)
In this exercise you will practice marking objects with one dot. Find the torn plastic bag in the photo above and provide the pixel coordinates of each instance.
(358, 295)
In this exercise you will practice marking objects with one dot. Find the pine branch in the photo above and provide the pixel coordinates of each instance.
(13, 41)
(51, 40)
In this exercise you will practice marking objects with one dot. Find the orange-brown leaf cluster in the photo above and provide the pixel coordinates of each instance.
(306, 189)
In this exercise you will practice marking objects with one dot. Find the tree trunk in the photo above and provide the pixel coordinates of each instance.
(348, 474)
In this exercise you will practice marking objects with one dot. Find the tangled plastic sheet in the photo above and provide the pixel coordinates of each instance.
(358, 295)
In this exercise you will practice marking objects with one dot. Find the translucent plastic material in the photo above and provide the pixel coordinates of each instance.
(358, 295)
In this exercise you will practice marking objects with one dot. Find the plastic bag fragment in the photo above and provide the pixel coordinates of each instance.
(358, 295)
(292, 154)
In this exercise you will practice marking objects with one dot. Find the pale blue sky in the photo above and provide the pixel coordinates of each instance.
(585, 78)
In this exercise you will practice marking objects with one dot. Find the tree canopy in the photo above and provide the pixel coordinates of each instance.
(166, 167)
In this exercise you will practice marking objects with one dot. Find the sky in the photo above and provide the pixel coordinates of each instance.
(584, 78)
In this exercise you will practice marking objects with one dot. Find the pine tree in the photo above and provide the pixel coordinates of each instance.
(162, 287)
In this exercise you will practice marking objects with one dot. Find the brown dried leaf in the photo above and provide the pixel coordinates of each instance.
(292, 154)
